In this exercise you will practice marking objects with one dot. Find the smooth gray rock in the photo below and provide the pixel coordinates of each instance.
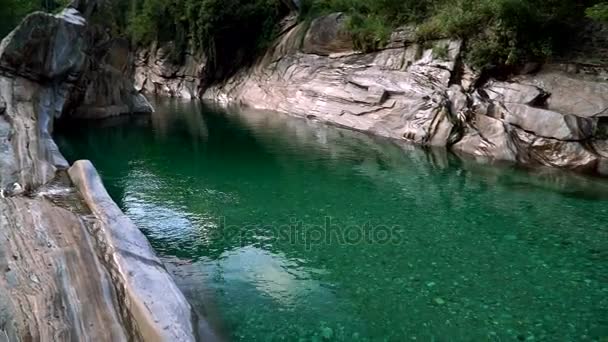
(549, 124)
(54, 287)
(571, 94)
(8, 162)
(511, 92)
(376, 93)
(25, 157)
(44, 47)
(104, 89)
(570, 155)
(59, 288)
(488, 139)
(136, 270)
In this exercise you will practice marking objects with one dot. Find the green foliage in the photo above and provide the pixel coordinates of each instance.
(598, 12)
(371, 22)
(504, 32)
(226, 30)
(369, 32)
(499, 32)
(13, 11)
(441, 51)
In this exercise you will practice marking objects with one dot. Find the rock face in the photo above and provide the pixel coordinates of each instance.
(135, 269)
(104, 89)
(157, 72)
(426, 95)
(73, 266)
(44, 48)
(38, 60)
(398, 93)
(537, 127)
(54, 287)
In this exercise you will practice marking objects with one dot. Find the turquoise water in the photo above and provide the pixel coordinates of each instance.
(282, 229)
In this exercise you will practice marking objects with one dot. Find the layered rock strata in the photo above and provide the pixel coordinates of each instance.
(73, 267)
(425, 94)
(158, 71)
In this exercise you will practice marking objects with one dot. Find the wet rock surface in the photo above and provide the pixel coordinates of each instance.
(424, 94)
(136, 271)
(72, 266)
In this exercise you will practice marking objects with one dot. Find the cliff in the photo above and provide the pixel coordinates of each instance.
(546, 115)
(425, 94)
(73, 267)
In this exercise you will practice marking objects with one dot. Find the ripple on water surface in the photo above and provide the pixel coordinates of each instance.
(282, 229)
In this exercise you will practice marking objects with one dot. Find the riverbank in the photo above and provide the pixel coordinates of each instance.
(74, 267)
(262, 217)
(552, 114)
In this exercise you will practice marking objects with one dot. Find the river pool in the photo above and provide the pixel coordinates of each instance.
(278, 228)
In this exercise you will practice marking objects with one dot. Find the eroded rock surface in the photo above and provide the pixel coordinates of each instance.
(104, 88)
(150, 295)
(426, 95)
(53, 287)
(72, 266)
(157, 71)
(34, 83)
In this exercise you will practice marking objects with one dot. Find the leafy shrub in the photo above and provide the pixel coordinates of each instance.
(504, 32)
(12, 11)
(369, 32)
(499, 32)
(441, 51)
(598, 12)
(228, 31)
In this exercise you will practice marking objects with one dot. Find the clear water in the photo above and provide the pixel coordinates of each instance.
(282, 229)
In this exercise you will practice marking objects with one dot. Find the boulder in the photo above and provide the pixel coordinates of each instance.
(571, 94)
(54, 285)
(45, 46)
(549, 124)
(328, 35)
(104, 89)
(512, 92)
(487, 138)
(402, 37)
(136, 270)
(570, 155)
